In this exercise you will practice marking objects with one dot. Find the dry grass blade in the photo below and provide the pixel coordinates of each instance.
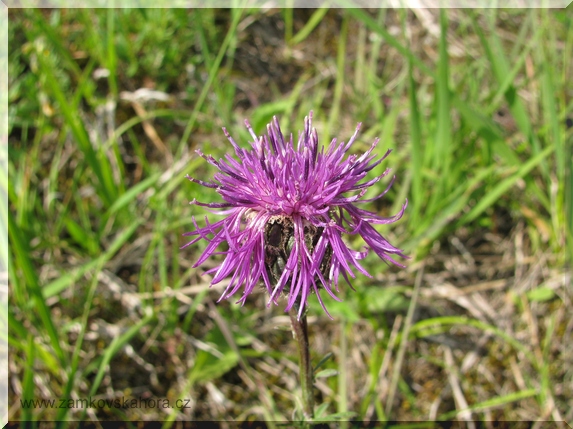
(454, 381)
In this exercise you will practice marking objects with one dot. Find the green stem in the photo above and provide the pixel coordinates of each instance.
(300, 332)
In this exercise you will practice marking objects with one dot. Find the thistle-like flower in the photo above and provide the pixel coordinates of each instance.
(286, 210)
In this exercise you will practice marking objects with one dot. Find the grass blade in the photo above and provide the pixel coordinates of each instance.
(417, 151)
(504, 186)
(236, 13)
(340, 77)
(496, 402)
(114, 347)
(443, 130)
(21, 254)
(445, 322)
(311, 24)
(68, 279)
(500, 66)
(131, 194)
(28, 385)
(104, 183)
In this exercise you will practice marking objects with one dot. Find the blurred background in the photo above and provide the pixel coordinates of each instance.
(106, 110)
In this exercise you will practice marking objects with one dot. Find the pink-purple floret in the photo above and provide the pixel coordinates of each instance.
(305, 184)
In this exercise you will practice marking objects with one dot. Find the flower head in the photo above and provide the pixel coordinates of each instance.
(286, 208)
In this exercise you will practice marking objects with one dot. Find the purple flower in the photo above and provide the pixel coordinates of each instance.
(286, 209)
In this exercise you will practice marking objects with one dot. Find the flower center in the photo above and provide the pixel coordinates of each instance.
(280, 241)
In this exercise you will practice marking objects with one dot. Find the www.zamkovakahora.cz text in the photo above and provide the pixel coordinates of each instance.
(105, 403)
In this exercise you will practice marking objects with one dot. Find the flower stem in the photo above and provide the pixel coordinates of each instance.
(300, 332)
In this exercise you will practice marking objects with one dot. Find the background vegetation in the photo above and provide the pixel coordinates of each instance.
(106, 110)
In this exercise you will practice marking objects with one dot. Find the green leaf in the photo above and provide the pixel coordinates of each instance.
(81, 236)
(264, 113)
(541, 294)
(325, 373)
(378, 300)
(207, 367)
(345, 309)
(321, 409)
(325, 359)
(347, 415)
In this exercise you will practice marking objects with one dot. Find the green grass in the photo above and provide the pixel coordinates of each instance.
(103, 304)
